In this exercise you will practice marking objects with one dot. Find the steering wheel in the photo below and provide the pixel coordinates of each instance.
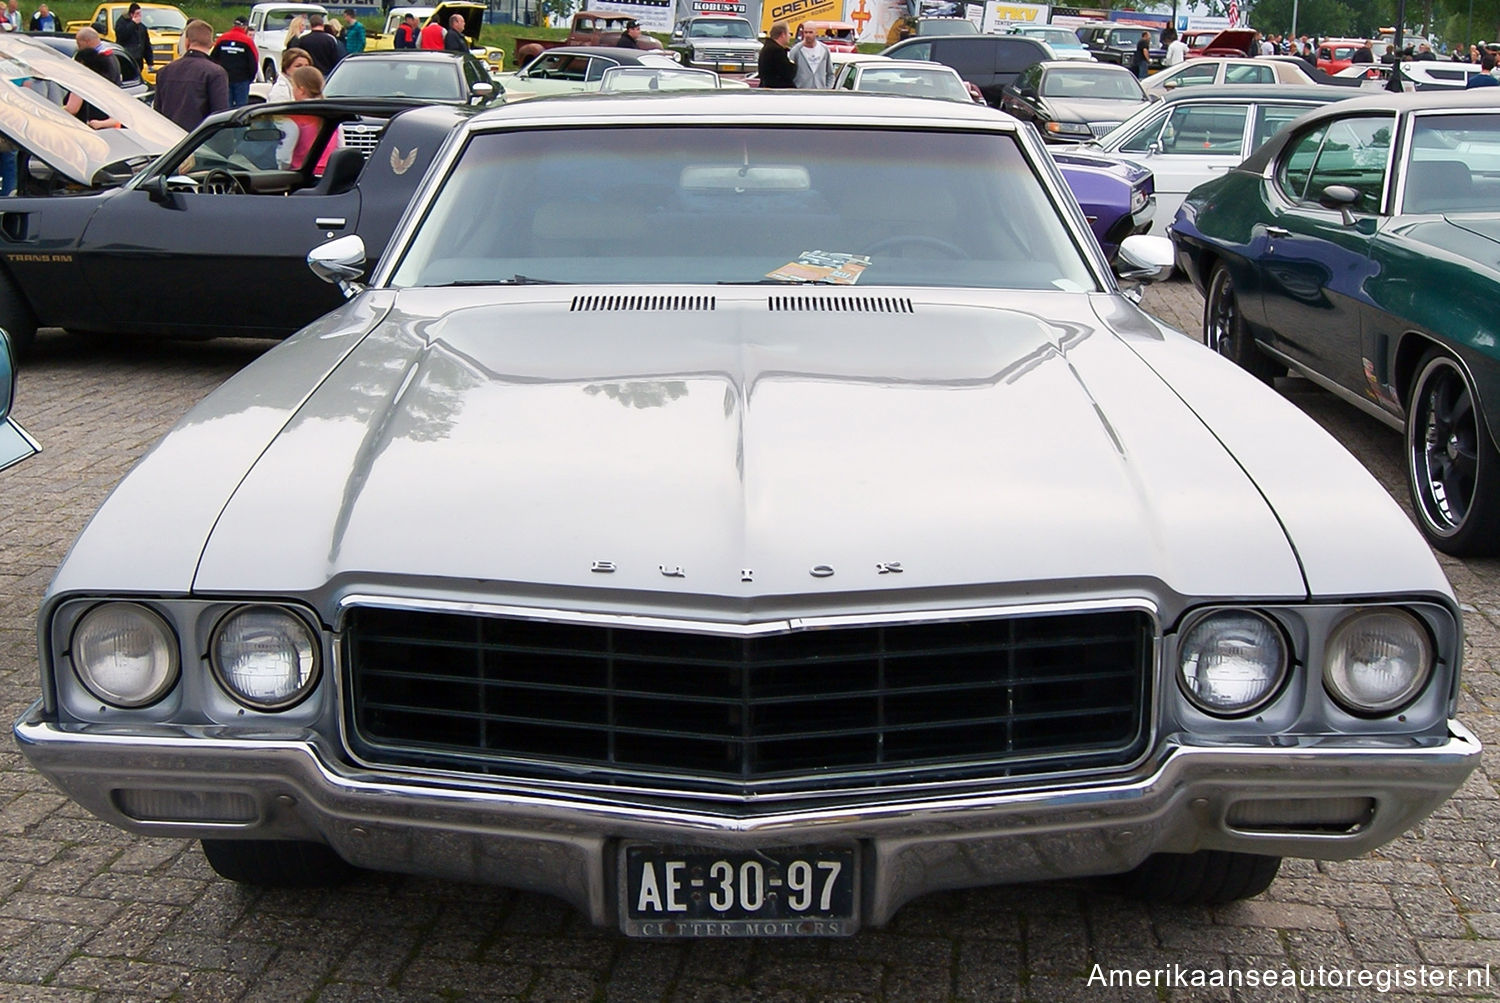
(220, 182)
(917, 240)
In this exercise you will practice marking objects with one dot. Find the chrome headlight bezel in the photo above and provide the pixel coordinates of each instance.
(1278, 667)
(1335, 675)
(165, 678)
(310, 675)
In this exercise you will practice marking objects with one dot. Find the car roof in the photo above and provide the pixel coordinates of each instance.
(1078, 64)
(1260, 92)
(751, 107)
(904, 64)
(419, 55)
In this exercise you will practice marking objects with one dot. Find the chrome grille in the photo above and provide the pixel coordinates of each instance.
(807, 709)
(362, 136)
(1102, 128)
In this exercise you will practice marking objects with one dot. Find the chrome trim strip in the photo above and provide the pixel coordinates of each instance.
(1349, 397)
(777, 626)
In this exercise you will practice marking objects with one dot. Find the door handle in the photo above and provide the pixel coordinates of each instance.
(1277, 231)
(330, 222)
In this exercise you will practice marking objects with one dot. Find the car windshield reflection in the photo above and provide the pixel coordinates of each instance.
(678, 205)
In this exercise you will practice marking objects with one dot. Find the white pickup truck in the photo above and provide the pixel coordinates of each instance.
(268, 26)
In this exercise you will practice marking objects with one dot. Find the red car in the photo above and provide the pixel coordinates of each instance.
(1336, 54)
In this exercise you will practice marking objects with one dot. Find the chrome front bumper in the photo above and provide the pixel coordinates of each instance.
(564, 843)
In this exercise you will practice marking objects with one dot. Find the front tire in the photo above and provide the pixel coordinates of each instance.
(1208, 877)
(1225, 330)
(1451, 461)
(277, 863)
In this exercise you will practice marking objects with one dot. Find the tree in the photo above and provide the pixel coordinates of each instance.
(1321, 18)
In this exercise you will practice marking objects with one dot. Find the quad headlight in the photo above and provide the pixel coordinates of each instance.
(1377, 661)
(1232, 662)
(265, 657)
(125, 654)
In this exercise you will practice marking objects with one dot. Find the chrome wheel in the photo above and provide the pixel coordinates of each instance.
(1451, 461)
(1224, 329)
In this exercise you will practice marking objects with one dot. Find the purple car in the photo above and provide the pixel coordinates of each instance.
(1117, 197)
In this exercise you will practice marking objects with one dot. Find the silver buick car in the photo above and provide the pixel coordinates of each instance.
(750, 586)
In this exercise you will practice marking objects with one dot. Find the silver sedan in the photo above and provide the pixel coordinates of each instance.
(738, 515)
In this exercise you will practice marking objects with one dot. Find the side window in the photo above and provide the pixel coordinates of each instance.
(596, 69)
(1140, 141)
(1356, 153)
(1249, 73)
(917, 50)
(968, 60)
(1297, 161)
(847, 78)
(1205, 129)
(1197, 75)
(101, 23)
(1271, 119)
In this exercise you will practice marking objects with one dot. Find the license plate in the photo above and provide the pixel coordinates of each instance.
(683, 891)
(730, 67)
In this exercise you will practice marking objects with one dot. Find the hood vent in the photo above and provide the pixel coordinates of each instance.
(611, 304)
(841, 304)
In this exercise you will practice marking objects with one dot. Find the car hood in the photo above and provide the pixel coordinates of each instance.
(1088, 112)
(1074, 160)
(1231, 38)
(40, 125)
(727, 449)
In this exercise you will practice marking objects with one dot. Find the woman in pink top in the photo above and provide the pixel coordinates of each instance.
(307, 85)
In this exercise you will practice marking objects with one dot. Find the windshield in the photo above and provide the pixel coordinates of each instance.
(914, 82)
(1092, 85)
(1058, 38)
(721, 29)
(656, 204)
(621, 79)
(434, 79)
(163, 20)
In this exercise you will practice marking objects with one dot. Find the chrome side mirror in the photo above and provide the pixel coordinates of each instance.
(1143, 259)
(340, 262)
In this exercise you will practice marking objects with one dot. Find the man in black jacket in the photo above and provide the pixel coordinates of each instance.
(324, 49)
(775, 65)
(133, 37)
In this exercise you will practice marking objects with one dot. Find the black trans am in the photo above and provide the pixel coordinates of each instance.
(211, 239)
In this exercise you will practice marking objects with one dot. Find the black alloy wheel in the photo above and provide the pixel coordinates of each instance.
(1225, 331)
(1452, 463)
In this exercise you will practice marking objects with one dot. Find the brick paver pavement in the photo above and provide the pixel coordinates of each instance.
(88, 913)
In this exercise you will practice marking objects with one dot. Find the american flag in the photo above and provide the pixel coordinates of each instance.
(1234, 13)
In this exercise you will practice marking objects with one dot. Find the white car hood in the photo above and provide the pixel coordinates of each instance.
(975, 446)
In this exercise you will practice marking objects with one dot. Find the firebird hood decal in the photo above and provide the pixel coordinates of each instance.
(524, 443)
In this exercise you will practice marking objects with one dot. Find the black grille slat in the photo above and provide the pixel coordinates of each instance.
(807, 709)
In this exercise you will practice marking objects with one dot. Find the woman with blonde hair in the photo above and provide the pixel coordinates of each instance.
(294, 30)
(291, 59)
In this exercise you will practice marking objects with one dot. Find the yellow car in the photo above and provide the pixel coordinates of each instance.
(164, 23)
(473, 14)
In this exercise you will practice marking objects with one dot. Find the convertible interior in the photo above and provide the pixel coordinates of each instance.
(267, 155)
